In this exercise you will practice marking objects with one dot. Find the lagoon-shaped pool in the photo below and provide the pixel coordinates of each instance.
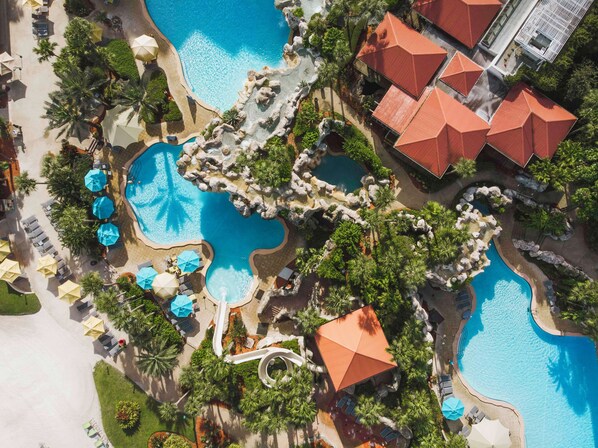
(219, 41)
(171, 210)
(340, 171)
(503, 354)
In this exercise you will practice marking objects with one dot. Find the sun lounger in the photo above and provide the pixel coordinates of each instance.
(445, 378)
(92, 432)
(147, 264)
(83, 306)
(39, 232)
(446, 391)
(465, 431)
(342, 401)
(385, 431)
(100, 444)
(40, 239)
(462, 299)
(479, 417)
(472, 412)
(115, 350)
(47, 247)
(462, 293)
(29, 221)
(87, 425)
(464, 305)
(392, 436)
(466, 314)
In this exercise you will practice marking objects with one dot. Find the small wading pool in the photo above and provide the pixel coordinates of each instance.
(171, 210)
(340, 171)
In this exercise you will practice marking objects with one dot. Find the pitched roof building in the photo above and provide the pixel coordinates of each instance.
(441, 132)
(527, 124)
(461, 73)
(353, 348)
(402, 55)
(465, 20)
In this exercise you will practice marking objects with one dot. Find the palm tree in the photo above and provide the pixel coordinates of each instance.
(168, 412)
(361, 270)
(25, 184)
(327, 75)
(132, 96)
(86, 86)
(384, 197)
(66, 114)
(91, 284)
(309, 320)
(338, 301)
(369, 410)
(157, 359)
(45, 50)
(216, 368)
(465, 168)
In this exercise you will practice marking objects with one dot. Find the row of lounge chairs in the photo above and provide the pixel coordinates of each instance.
(463, 304)
(445, 386)
(475, 415)
(40, 26)
(42, 243)
(91, 429)
(108, 340)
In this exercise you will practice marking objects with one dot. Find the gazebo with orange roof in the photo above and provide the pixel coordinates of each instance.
(402, 55)
(353, 348)
(527, 124)
(465, 20)
(461, 73)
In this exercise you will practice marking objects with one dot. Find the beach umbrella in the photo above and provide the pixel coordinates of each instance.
(103, 207)
(452, 408)
(95, 180)
(9, 270)
(47, 265)
(165, 285)
(181, 306)
(69, 291)
(97, 33)
(32, 3)
(108, 234)
(145, 277)
(145, 48)
(188, 261)
(6, 63)
(93, 327)
(4, 249)
(489, 434)
(120, 129)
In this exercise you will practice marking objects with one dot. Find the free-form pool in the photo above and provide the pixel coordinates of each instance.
(219, 41)
(341, 171)
(171, 210)
(503, 354)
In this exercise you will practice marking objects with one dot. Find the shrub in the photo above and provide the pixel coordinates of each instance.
(157, 440)
(310, 138)
(173, 112)
(175, 441)
(121, 59)
(360, 151)
(307, 118)
(80, 8)
(239, 331)
(292, 345)
(127, 414)
(298, 12)
(331, 37)
(156, 94)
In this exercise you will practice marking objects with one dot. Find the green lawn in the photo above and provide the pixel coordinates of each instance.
(13, 303)
(113, 386)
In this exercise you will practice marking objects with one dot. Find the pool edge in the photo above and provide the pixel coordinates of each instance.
(139, 233)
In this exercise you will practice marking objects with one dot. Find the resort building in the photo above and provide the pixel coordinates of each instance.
(531, 32)
(465, 20)
(400, 55)
(461, 74)
(527, 124)
(353, 348)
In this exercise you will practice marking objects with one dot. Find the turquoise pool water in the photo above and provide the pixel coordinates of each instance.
(505, 355)
(219, 41)
(171, 210)
(341, 171)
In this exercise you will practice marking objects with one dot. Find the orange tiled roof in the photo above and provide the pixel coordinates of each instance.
(461, 73)
(353, 348)
(397, 108)
(528, 123)
(402, 55)
(442, 131)
(465, 20)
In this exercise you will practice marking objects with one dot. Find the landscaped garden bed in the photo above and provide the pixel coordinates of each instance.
(13, 303)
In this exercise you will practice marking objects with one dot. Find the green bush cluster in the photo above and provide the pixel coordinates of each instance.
(307, 118)
(127, 414)
(176, 441)
(122, 60)
(292, 344)
(272, 166)
(358, 148)
(80, 8)
(156, 94)
(310, 138)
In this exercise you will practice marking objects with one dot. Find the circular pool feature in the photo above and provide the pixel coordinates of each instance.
(172, 211)
(219, 41)
(341, 171)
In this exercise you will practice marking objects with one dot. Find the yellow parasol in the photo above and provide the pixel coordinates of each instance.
(97, 33)
(69, 291)
(93, 327)
(4, 249)
(145, 48)
(165, 285)
(9, 270)
(33, 3)
(47, 265)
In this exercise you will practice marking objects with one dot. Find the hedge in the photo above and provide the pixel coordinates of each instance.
(121, 59)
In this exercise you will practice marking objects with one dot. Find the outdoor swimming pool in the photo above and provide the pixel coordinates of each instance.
(219, 41)
(171, 210)
(341, 171)
(503, 354)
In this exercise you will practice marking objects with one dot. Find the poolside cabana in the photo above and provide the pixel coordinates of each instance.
(95, 180)
(145, 48)
(165, 285)
(93, 327)
(489, 434)
(9, 270)
(353, 348)
(47, 266)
